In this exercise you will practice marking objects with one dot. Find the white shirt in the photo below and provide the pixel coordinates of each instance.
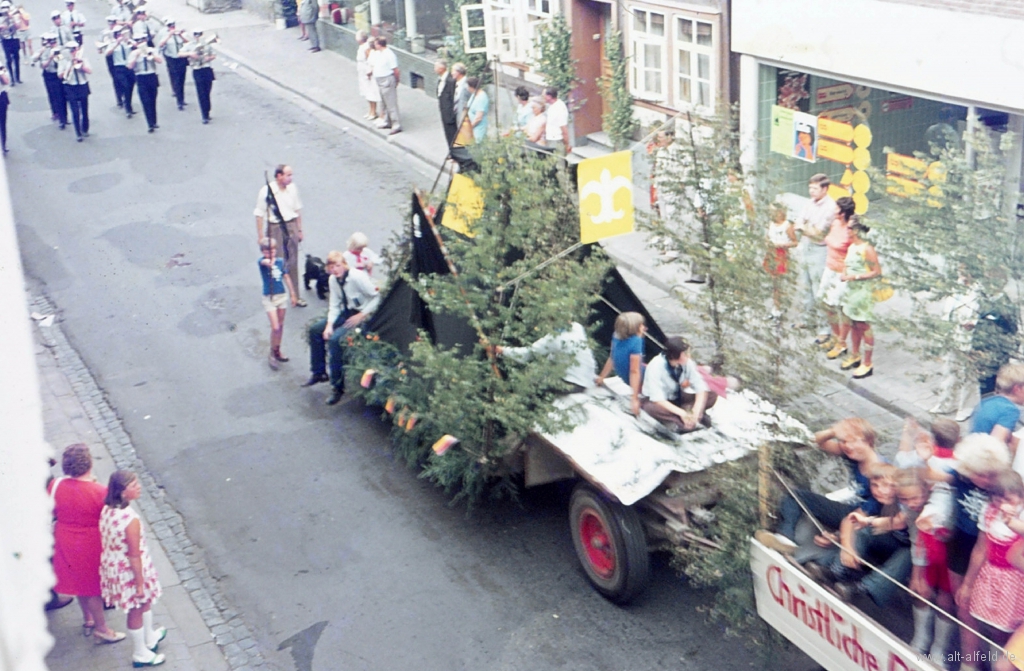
(288, 201)
(359, 261)
(382, 62)
(440, 83)
(358, 293)
(68, 17)
(659, 385)
(558, 116)
(818, 217)
(572, 342)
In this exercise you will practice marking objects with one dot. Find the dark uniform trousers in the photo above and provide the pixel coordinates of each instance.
(203, 78)
(113, 77)
(78, 99)
(55, 92)
(4, 102)
(126, 80)
(176, 73)
(12, 52)
(148, 84)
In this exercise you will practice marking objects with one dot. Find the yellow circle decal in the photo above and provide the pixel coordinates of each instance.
(861, 158)
(862, 136)
(860, 203)
(861, 182)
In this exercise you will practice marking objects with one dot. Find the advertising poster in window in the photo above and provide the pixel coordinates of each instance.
(782, 130)
(805, 137)
(793, 90)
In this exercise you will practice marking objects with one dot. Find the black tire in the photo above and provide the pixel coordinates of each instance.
(610, 544)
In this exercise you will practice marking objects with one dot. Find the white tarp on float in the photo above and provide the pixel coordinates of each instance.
(831, 632)
(631, 456)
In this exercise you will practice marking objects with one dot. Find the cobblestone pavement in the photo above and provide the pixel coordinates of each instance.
(205, 632)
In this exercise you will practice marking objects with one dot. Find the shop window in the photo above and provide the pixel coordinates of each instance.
(694, 42)
(648, 43)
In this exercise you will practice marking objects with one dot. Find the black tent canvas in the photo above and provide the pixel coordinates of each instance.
(402, 314)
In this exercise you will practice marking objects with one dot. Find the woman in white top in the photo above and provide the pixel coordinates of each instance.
(367, 88)
(537, 123)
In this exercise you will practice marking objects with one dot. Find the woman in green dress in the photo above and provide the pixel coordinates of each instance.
(861, 270)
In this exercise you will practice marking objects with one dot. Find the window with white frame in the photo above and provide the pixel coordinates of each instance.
(506, 29)
(694, 48)
(647, 33)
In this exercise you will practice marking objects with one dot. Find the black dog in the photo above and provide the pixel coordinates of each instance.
(316, 272)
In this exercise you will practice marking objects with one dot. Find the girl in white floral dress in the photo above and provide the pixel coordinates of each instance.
(127, 578)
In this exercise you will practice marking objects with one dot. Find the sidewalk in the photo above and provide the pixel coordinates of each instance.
(327, 80)
(75, 411)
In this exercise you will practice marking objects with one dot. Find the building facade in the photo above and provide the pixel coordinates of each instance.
(839, 86)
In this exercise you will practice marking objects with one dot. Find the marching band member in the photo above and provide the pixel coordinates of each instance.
(172, 40)
(74, 20)
(200, 55)
(74, 72)
(107, 39)
(48, 59)
(144, 27)
(125, 78)
(11, 43)
(143, 61)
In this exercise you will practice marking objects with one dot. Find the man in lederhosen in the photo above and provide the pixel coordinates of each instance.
(285, 224)
(74, 72)
(119, 52)
(171, 43)
(143, 61)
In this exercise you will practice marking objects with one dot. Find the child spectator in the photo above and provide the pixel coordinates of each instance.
(1014, 648)
(781, 238)
(275, 281)
(993, 588)
(359, 255)
(627, 355)
(853, 441)
(998, 415)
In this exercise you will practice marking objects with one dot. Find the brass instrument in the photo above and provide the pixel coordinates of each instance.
(203, 45)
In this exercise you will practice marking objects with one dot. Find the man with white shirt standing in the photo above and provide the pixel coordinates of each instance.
(814, 223)
(384, 70)
(281, 209)
(556, 132)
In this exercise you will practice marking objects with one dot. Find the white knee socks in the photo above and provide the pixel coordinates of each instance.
(140, 652)
(923, 619)
(153, 636)
(944, 629)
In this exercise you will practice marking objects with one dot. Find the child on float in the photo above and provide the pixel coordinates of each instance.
(876, 532)
(929, 577)
(980, 458)
(359, 255)
(853, 441)
(993, 588)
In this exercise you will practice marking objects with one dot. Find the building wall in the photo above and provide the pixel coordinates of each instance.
(965, 57)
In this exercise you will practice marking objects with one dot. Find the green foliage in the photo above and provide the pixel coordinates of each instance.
(554, 57)
(618, 120)
(529, 216)
(707, 217)
(454, 50)
(957, 235)
(710, 218)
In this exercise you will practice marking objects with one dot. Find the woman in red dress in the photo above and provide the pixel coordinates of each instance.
(77, 503)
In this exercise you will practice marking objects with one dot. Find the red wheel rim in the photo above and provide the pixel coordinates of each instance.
(597, 543)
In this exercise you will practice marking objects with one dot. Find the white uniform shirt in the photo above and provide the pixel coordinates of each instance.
(558, 116)
(68, 17)
(659, 385)
(288, 201)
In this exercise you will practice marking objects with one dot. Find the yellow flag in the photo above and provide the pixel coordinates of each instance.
(606, 196)
(464, 205)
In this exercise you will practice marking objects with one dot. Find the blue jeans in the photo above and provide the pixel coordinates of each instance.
(811, 270)
(320, 349)
(886, 552)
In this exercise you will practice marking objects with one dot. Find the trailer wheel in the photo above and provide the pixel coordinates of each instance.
(610, 544)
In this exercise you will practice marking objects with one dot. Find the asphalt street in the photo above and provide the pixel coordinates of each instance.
(331, 549)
